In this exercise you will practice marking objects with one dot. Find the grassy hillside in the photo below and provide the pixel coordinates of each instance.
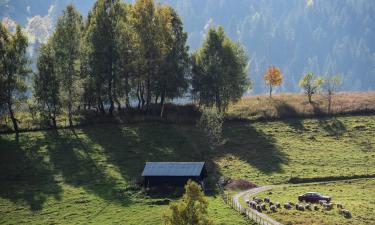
(357, 196)
(274, 152)
(297, 105)
(89, 175)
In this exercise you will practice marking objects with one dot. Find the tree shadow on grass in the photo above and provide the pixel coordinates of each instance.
(25, 175)
(254, 147)
(81, 165)
(130, 147)
(287, 111)
(318, 110)
(333, 126)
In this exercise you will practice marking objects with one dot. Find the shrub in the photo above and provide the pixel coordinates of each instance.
(211, 122)
(192, 209)
(241, 184)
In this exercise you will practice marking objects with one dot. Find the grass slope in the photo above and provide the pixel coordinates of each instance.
(355, 195)
(88, 175)
(273, 152)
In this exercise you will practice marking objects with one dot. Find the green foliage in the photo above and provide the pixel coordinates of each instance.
(311, 84)
(219, 71)
(127, 55)
(144, 20)
(163, 64)
(172, 79)
(211, 122)
(14, 68)
(191, 210)
(103, 32)
(47, 84)
(66, 44)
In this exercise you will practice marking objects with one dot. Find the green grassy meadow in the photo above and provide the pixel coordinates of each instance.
(88, 176)
(273, 152)
(358, 196)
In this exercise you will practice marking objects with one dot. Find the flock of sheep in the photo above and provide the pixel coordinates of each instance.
(262, 204)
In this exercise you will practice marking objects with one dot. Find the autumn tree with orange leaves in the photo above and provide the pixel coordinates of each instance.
(273, 77)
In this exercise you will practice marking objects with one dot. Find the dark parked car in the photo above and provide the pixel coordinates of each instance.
(313, 197)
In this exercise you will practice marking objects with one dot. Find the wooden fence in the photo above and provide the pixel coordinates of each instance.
(250, 214)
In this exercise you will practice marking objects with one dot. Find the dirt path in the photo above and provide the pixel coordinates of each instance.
(254, 191)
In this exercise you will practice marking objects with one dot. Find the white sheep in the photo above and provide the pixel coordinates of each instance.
(328, 206)
(346, 213)
(267, 200)
(252, 204)
(287, 205)
(258, 200)
(321, 202)
(273, 208)
(300, 207)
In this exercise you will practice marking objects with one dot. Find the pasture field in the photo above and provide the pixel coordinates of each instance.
(88, 176)
(275, 152)
(358, 196)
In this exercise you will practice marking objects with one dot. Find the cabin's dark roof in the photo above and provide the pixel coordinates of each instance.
(173, 169)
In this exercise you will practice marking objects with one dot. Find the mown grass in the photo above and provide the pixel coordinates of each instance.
(273, 152)
(288, 105)
(88, 176)
(356, 195)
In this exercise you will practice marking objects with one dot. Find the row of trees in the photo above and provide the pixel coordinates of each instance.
(310, 83)
(133, 53)
(121, 51)
(121, 55)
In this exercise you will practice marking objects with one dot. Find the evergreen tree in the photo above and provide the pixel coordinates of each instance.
(219, 71)
(14, 68)
(66, 44)
(47, 85)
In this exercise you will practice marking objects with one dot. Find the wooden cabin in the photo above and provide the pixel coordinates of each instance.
(173, 173)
